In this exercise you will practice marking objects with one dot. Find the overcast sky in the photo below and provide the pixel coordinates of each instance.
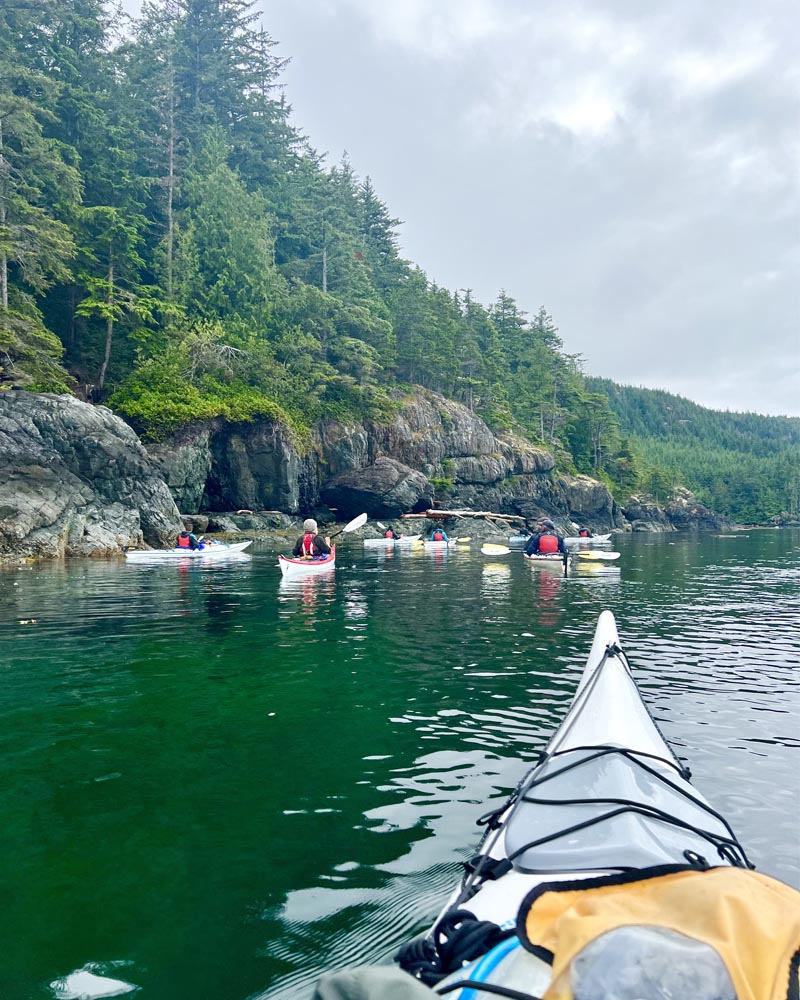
(631, 166)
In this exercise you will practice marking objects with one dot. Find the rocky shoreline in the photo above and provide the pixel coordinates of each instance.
(75, 480)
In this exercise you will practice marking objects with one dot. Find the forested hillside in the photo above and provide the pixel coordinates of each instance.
(172, 245)
(743, 465)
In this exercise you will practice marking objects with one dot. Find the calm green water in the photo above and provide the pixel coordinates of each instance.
(215, 785)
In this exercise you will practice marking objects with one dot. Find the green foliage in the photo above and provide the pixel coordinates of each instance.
(29, 354)
(441, 484)
(158, 400)
(742, 465)
(39, 188)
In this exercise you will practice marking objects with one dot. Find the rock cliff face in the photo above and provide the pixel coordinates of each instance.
(75, 480)
(681, 513)
(685, 513)
(644, 514)
(433, 449)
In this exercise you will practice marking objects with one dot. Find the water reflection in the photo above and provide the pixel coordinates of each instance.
(436, 802)
(220, 611)
(307, 591)
(546, 590)
(495, 580)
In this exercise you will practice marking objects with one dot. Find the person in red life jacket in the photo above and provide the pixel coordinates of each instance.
(188, 540)
(310, 545)
(545, 540)
(390, 533)
(585, 533)
(439, 535)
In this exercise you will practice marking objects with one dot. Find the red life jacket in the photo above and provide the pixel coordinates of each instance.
(184, 542)
(548, 543)
(437, 537)
(389, 534)
(584, 533)
(309, 549)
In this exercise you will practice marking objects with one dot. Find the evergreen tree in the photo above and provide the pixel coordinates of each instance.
(224, 266)
(377, 228)
(39, 189)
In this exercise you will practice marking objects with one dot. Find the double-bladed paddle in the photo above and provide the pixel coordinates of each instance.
(354, 525)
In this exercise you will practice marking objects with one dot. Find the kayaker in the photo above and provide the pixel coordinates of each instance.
(585, 533)
(391, 533)
(311, 545)
(188, 540)
(546, 540)
(439, 535)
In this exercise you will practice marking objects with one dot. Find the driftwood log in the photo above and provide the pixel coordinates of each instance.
(439, 514)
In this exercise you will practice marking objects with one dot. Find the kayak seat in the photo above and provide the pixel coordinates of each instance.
(597, 809)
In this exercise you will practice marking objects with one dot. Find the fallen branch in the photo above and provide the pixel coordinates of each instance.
(438, 514)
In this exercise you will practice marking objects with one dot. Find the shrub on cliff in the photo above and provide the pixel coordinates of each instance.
(156, 406)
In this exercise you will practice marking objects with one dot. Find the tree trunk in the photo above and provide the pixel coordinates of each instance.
(171, 184)
(109, 322)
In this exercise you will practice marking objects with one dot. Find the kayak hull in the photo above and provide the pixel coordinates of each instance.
(521, 540)
(389, 543)
(210, 552)
(307, 567)
(606, 796)
(594, 540)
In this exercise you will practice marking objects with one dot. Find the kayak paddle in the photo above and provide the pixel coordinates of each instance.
(598, 556)
(489, 549)
(354, 525)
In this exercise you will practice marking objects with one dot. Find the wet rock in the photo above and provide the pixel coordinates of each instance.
(684, 513)
(644, 514)
(386, 488)
(75, 480)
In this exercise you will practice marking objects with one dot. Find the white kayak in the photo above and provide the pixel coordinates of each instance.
(607, 797)
(388, 543)
(546, 557)
(214, 550)
(592, 540)
(306, 567)
(430, 544)
(570, 539)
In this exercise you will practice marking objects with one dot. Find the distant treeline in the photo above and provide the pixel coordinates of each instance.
(741, 464)
(171, 245)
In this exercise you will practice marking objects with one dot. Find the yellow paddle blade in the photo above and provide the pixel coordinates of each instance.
(489, 549)
(598, 556)
(467, 539)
